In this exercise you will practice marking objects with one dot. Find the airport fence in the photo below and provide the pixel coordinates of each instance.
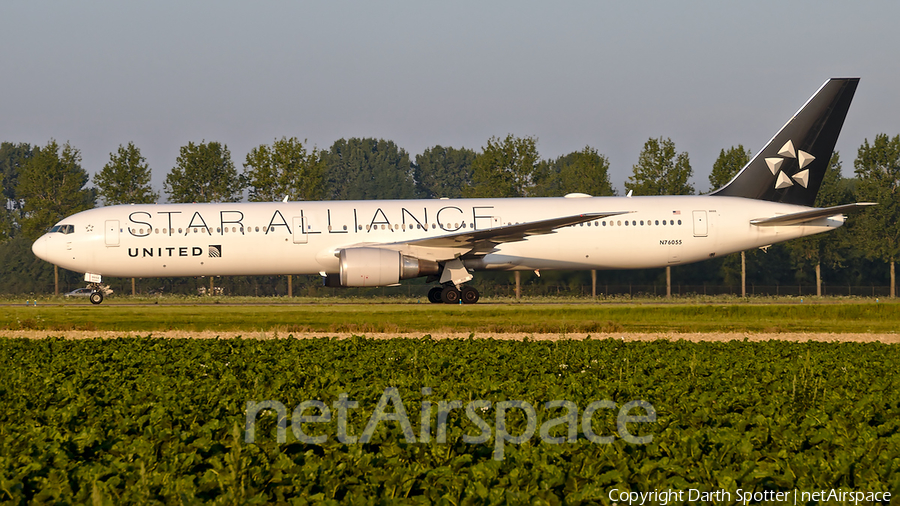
(311, 286)
(635, 290)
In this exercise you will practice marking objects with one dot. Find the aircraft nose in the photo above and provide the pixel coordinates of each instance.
(39, 248)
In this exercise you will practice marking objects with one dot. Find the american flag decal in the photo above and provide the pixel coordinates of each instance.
(215, 251)
(676, 212)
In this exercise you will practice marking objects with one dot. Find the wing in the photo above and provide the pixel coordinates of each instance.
(480, 242)
(805, 216)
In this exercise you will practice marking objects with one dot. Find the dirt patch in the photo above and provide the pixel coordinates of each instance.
(671, 336)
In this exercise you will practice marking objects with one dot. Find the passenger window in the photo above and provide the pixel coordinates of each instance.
(679, 222)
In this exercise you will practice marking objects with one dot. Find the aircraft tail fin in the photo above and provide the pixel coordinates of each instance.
(791, 166)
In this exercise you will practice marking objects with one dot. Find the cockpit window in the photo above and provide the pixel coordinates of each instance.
(62, 229)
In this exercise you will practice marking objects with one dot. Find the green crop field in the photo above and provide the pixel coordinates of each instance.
(165, 421)
(785, 316)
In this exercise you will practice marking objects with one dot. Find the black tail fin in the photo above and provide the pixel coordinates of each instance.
(791, 166)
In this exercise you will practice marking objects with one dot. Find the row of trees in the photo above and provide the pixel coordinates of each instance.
(43, 184)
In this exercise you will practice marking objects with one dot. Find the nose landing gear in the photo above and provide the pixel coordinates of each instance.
(451, 295)
(96, 296)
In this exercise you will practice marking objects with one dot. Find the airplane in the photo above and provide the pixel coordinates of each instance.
(381, 242)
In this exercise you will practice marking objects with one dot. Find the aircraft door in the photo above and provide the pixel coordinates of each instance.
(701, 228)
(112, 232)
(300, 235)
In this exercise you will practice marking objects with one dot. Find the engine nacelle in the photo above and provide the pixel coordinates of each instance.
(378, 267)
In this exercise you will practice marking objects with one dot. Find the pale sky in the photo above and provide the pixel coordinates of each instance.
(707, 74)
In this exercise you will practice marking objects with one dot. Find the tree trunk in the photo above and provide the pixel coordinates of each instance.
(56, 278)
(518, 284)
(133, 291)
(743, 274)
(210, 286)
(290, 286)
(668, 281)
(819, 279)
(893, 281)
(593, 283)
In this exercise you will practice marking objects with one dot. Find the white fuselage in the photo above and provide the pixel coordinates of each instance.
(306, 237)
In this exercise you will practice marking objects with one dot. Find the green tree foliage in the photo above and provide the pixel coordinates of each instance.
(285, 168)
(125, 179)
(444, 172)
(365, 169)
(52, 185)
(204, 173)
(727, 166)
(505, 168)
(23, 273)
(878, 171)
(12, 156)
(585, 171)
(661, 170)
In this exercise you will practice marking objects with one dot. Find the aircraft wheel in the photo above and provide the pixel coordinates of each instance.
(450, 295)
(434, 295)
(96, 297)
(469, 295)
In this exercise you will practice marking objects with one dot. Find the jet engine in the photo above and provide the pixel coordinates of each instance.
(378, 267)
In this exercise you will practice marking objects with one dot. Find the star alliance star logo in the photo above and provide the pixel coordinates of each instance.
(783, 180)
(89, 228)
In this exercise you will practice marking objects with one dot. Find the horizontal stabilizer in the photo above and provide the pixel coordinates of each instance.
(805, 216)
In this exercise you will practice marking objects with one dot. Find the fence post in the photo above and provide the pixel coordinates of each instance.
(743, 274)
(668, 281)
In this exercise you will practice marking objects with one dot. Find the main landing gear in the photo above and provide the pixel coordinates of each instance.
(451, 295)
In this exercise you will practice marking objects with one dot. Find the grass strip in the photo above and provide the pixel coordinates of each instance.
(847, 317)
